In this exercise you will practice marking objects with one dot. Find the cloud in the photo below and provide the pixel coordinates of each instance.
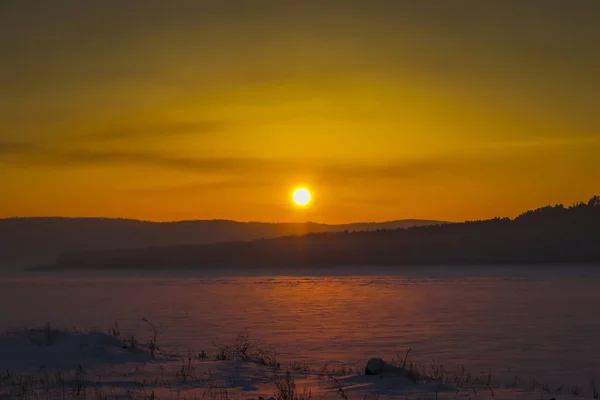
(352, 172)
(31, 155)
(225, 172)
(541, 143)
(215, 173)
(155, 160)
(17, 148)
(257, 166)
(166, 129)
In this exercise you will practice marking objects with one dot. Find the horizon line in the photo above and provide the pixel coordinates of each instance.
(225, 220)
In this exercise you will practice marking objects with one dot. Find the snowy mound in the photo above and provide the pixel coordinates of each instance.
(377, 366)
(108, 366)
(52, 349)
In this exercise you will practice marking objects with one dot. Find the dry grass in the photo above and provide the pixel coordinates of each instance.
(78, 384)
(285, 389)
(245, 349)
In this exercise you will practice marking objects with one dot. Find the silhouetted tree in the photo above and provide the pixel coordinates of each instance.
(594, 202)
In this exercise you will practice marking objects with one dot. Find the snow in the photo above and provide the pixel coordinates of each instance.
(49, 363)
(532, 327)
(377, 366)
(539, 327)
(54, 349)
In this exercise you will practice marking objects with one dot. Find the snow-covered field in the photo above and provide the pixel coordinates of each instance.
(534, 333)
(54, 364)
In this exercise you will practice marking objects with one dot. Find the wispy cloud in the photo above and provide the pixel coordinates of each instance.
(399, 170)
(257, 167)
(215, 173)
(221, 172)
(544, 142)
(17, 148)
(161, 129)
(157, 160)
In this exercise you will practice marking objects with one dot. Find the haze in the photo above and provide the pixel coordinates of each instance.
(384, 109)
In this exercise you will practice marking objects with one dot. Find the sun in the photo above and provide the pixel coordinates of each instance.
(301, 196)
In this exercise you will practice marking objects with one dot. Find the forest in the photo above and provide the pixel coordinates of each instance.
(551, 234)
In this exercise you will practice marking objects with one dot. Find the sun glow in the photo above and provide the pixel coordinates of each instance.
(301, 196)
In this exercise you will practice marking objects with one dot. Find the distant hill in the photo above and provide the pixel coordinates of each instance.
(546, 235)
(29, 241)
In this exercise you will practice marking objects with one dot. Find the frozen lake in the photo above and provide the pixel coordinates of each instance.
(533, 322)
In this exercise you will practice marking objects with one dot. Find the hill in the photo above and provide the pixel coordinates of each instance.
(29, 241)
(546, 235)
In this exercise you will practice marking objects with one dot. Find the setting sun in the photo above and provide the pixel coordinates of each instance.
(301, 196)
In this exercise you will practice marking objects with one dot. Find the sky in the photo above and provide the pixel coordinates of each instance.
(171, 110)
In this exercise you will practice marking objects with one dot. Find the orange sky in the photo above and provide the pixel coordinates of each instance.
(384, 109)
